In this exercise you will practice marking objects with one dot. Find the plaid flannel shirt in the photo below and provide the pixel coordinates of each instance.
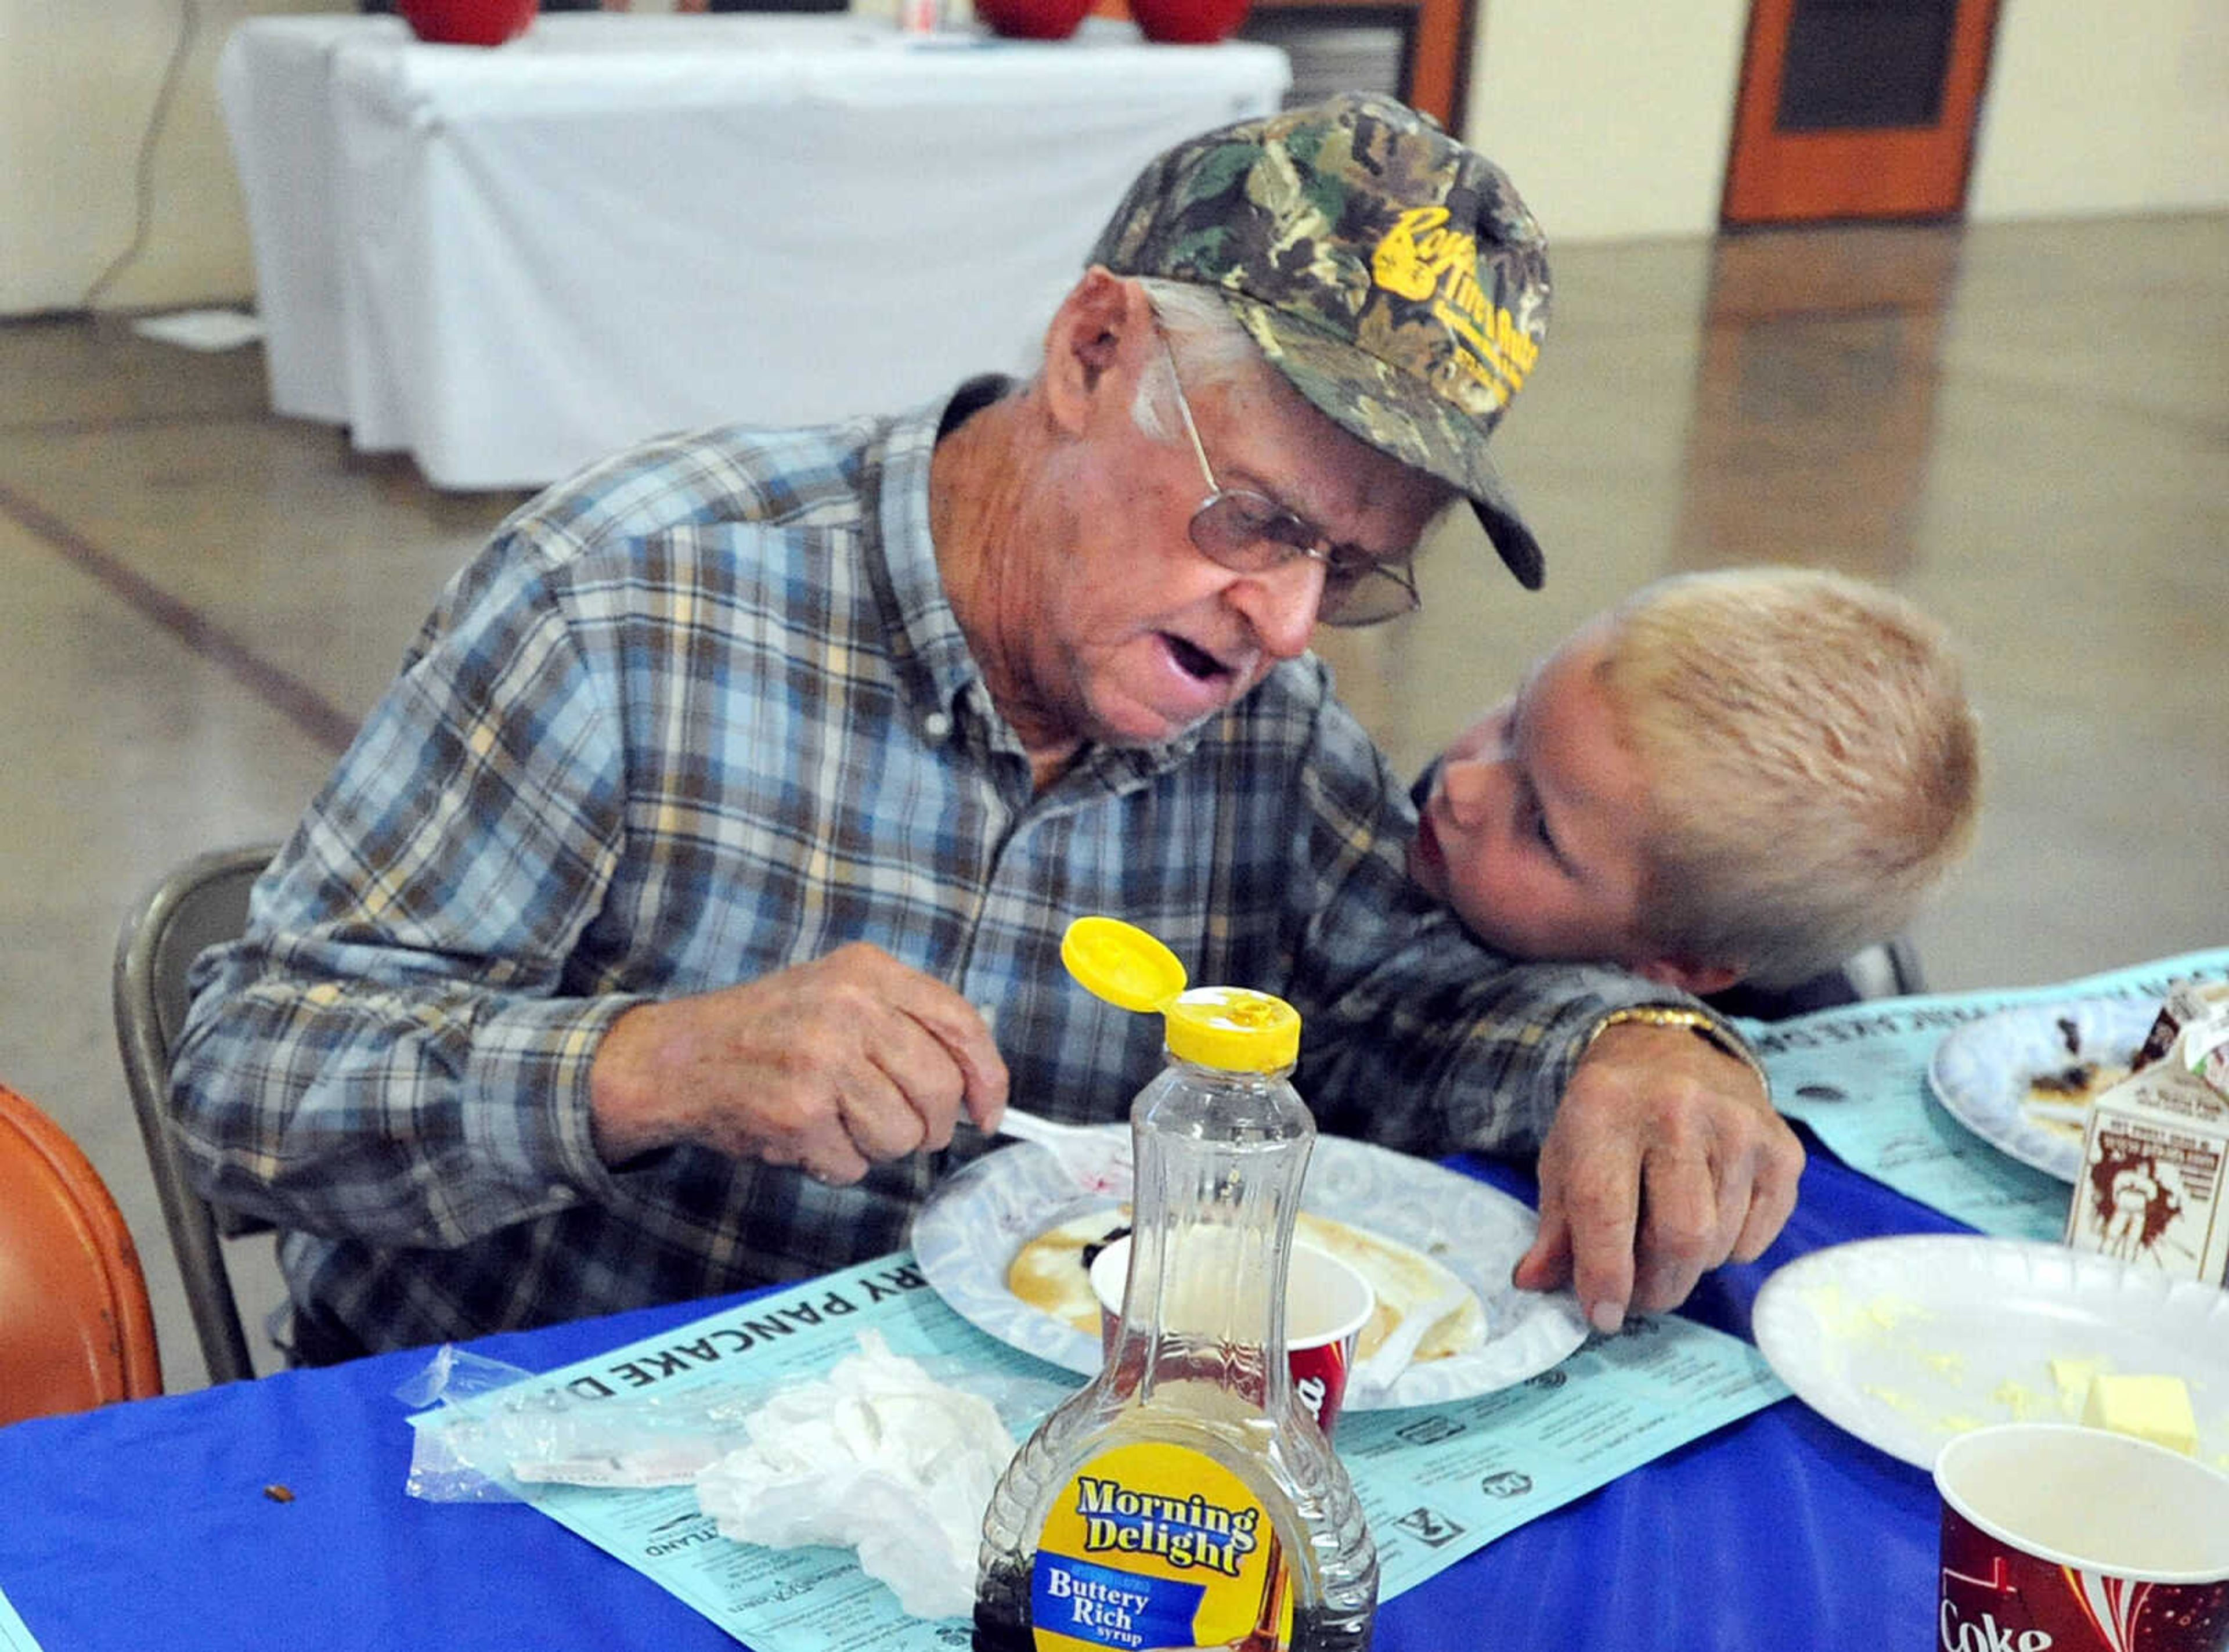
(704, 713)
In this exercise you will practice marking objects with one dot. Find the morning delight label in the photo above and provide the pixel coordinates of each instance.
(1156, 1546)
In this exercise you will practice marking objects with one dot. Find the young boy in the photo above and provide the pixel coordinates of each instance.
(1745, 775)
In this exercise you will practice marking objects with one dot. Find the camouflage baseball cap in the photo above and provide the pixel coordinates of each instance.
(1390, 273)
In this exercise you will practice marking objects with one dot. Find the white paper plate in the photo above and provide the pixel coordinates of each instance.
(1906, 1342)
(1980, 1072)
(967, 1236)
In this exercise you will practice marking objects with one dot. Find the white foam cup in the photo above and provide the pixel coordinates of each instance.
(1326, 1304)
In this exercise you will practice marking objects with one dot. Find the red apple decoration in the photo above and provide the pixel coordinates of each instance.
(1033, 19)
(1188, 23)
(468, 22)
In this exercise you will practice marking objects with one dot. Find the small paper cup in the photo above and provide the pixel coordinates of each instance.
(1326, 1304)
(2062, 1539)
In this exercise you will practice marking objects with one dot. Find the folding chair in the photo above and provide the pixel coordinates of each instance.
(202, 903)
(76, 1329)
(1890, 970)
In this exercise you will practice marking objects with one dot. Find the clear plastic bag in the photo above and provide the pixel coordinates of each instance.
(494, 1442)
(492, 1445)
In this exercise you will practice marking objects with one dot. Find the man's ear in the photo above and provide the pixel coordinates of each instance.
(1103, 317)
(1698, 979)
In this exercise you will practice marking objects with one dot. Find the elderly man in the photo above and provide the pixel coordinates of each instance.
(709, 859)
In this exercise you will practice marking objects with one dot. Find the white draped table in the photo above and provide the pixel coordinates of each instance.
(507, 262)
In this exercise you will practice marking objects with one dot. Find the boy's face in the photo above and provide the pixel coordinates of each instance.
(1534, 828)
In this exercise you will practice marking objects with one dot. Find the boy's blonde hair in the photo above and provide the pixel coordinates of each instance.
(1813, 765)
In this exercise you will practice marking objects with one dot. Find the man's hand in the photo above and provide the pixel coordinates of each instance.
(1666, 1159)
(848, 1061)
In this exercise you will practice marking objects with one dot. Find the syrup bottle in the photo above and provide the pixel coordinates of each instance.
(1184, 1498)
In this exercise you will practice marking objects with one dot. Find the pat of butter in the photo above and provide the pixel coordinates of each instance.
(2151, 1408)
(2072, 1379)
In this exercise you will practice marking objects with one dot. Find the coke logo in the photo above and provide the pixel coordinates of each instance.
(1956, 1635)
(1312, 1395)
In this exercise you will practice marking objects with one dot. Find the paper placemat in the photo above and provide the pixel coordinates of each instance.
(1437, 1482)
(1858, 1076)
(14, 1636)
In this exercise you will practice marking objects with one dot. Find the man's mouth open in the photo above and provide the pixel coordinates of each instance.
(1195, 661)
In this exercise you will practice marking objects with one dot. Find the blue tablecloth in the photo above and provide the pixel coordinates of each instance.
(147, 1525)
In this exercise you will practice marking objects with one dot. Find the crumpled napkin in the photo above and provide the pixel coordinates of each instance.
(876, 1456)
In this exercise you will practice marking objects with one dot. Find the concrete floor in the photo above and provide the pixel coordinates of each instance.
(2024, 427)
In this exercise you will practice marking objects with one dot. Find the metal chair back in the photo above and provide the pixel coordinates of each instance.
(200, 903)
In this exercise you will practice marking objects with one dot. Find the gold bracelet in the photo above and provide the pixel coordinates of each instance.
(1698, 1022)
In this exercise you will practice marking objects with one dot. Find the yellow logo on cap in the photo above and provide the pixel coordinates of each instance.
(1421, 257)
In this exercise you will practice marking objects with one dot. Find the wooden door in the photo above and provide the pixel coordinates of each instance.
(1427, 65)
(1856, 109)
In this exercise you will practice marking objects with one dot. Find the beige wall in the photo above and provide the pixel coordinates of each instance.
(2098, 109)
(79, 81)
(1614, 116)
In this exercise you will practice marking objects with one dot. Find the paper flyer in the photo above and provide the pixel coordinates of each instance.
(1437, 1482)
(1858, 1076)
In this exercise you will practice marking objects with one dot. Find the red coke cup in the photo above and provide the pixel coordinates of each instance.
(2062, 1539)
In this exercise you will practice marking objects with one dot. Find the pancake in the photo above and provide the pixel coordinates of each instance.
(1051, 1274)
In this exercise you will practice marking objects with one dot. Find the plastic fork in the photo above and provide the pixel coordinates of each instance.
(1376, 1375)
(1096, 1156)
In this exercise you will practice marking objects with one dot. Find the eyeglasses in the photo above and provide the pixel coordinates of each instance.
(1251, 533)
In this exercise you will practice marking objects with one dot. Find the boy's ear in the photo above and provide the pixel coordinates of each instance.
(1699, 980)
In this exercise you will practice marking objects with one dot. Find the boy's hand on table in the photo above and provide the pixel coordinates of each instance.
(1666, 1159)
